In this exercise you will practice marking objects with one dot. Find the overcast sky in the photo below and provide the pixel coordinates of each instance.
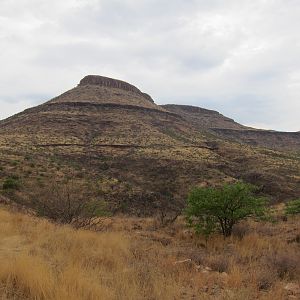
(240, 57)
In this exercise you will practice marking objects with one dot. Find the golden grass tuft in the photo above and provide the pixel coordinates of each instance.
(26, 276)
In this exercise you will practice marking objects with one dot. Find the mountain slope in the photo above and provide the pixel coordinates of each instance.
(109, 131)
(203, 119)
(214, 122)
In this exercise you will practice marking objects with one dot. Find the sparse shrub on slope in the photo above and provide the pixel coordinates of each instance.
(11, 183)
(68, 203)
(219, 209)
(219, 263)
(285, 264)
(240, 230)
(293, 207)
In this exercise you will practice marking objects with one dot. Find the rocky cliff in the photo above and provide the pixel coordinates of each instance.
(112, 83)
(104, 91)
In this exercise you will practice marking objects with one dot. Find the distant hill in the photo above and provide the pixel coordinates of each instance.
(212, 121)
(204, 119)
(108, 130)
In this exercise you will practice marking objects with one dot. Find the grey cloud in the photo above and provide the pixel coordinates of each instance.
(238, 57)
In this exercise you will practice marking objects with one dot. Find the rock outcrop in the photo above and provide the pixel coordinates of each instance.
(112, 83)
(103, 91)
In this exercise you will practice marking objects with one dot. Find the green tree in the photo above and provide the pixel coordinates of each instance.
(293, 207)
(219, 209)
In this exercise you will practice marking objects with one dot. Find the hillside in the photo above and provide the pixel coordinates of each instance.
(204, 119)
(148, 156)
(226, 128)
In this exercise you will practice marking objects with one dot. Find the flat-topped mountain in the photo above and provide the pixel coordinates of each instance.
(108, 130)
(103, 90)
(99, 111)
(112, 83)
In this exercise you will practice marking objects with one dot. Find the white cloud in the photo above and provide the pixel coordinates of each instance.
(238, 57)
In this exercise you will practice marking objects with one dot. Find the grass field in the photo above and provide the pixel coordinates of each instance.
(133, 258)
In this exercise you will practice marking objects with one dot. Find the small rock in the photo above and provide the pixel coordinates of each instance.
(208, 269)
(292, 288)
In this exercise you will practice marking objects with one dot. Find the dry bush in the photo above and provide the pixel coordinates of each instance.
(197, 256)
(265, 278)
(219, 263)
(285, 263)
(265, 229)
(67, 202)
(240, 230)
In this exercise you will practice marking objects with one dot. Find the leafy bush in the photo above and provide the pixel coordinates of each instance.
(293, 207)
(219, 209)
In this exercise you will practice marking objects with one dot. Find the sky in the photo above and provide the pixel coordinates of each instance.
(241, 58)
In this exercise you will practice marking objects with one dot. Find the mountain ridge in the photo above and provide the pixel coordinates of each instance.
(91, 81)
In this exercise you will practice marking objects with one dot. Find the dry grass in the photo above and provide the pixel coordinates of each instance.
(131, 260)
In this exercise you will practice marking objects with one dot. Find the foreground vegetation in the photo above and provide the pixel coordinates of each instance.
(134, 259)
(220, 209)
